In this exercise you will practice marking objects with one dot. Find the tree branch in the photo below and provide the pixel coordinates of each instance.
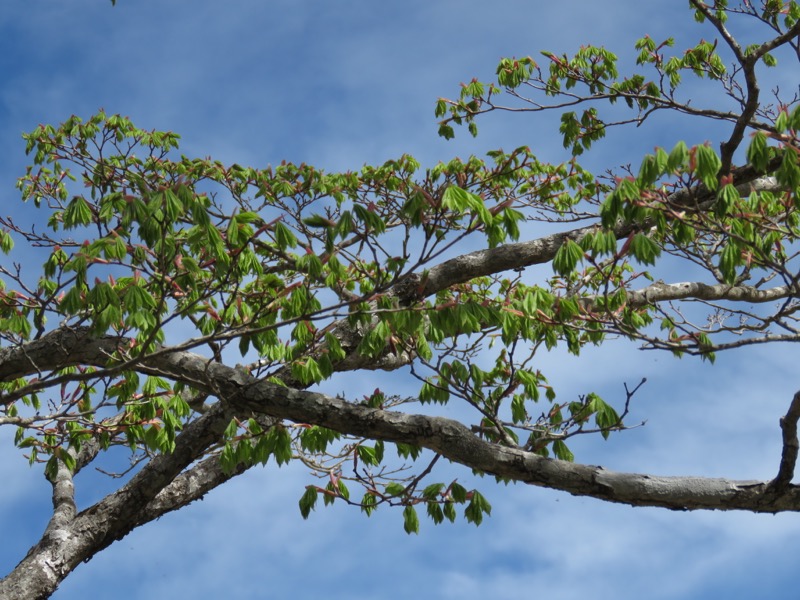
(453, 440)
(72, 540)
(541, 250)
(187, 487)
(751, 104)
(695, 290)
(790, 445)
(456, 442)
(64, 508)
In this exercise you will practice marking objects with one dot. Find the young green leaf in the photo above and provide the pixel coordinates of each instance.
(567, 257)
(308, 500)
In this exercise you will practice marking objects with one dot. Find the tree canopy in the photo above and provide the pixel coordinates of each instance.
(188, 310)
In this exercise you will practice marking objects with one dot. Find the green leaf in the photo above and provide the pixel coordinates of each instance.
(729, 259)
(782, 122)
(458, 493)
(316, 439)
(794, 117)
(446, 131)
(727, 197)
(757, 151)
(318, 221)
(343, 491)
(308, 500)
(788, 173)
(449, 511)
(562, 452)
(282, 445)
(369, 503)
(678, 157)
(435, 512)
(433, 491)
(407, 450)
(284, 236)
(461, 201)
(604, 414)
(707, 166)
(649, 171)
(518, 412)
(644, 249)
(410, 520)
(367, 455)
(137, 299)
(567, 257)
(6, 242)
(77, 213)
(395, 489)
(477, 507)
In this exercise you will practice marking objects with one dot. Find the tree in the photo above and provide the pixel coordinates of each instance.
(162, 272)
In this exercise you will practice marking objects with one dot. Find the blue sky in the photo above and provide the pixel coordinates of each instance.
(337, 85)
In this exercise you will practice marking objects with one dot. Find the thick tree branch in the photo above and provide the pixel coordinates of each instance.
(187, 487)
(543, 249)
(694, 290)
(161, 486)
(454, 441)
(64, 508)
(72, 539)
(790, 444)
